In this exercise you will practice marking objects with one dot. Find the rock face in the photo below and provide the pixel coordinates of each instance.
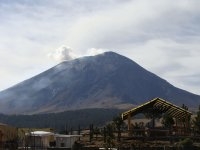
(108, 80)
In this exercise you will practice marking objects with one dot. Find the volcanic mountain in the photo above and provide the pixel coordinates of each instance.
(108, 80)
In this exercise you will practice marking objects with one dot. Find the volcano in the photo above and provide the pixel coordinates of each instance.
(107, 80)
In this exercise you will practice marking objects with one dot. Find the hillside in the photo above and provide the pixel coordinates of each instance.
(59, 121)
(108, 80)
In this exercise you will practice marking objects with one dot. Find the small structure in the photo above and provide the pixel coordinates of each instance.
(44, 140)
(24, 133)
(161, 106)
(39, 139)
(65, 141)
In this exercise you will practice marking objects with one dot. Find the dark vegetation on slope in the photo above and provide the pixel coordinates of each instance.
(58, 121)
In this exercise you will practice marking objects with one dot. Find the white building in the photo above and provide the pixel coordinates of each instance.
(42, 139)
(39, 139)
(66, 141)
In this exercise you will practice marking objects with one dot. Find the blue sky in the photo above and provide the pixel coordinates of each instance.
(161, 35)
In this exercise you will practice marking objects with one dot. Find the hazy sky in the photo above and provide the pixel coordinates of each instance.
(163, 36)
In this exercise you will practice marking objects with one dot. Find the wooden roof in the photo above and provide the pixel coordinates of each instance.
(158, 105)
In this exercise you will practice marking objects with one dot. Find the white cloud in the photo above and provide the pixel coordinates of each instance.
(133, 22)
(95, 51)
(63, 53)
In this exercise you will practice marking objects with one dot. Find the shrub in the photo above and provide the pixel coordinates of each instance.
(186, 144)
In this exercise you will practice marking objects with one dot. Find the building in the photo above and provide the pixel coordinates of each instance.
(43, 140)
(25, 134)
(159, 106)
(39, 139)
(66, 141)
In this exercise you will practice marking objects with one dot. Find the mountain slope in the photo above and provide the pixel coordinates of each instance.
(59, 121)
(102, 81)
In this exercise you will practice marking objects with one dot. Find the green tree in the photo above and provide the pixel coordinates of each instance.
(137, 126)
(168, 121)
(153, 115)
(187, 119)
(110, 130)
(109, 135)
(196, 121)
(186, 144)
(96, 132)
(118, 123)
(184, 107)
(91, 132)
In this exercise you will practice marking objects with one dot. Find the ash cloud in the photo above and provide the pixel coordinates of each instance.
(95, 51)
(63, 53)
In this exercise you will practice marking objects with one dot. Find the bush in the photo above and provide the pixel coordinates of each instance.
(186, 144)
